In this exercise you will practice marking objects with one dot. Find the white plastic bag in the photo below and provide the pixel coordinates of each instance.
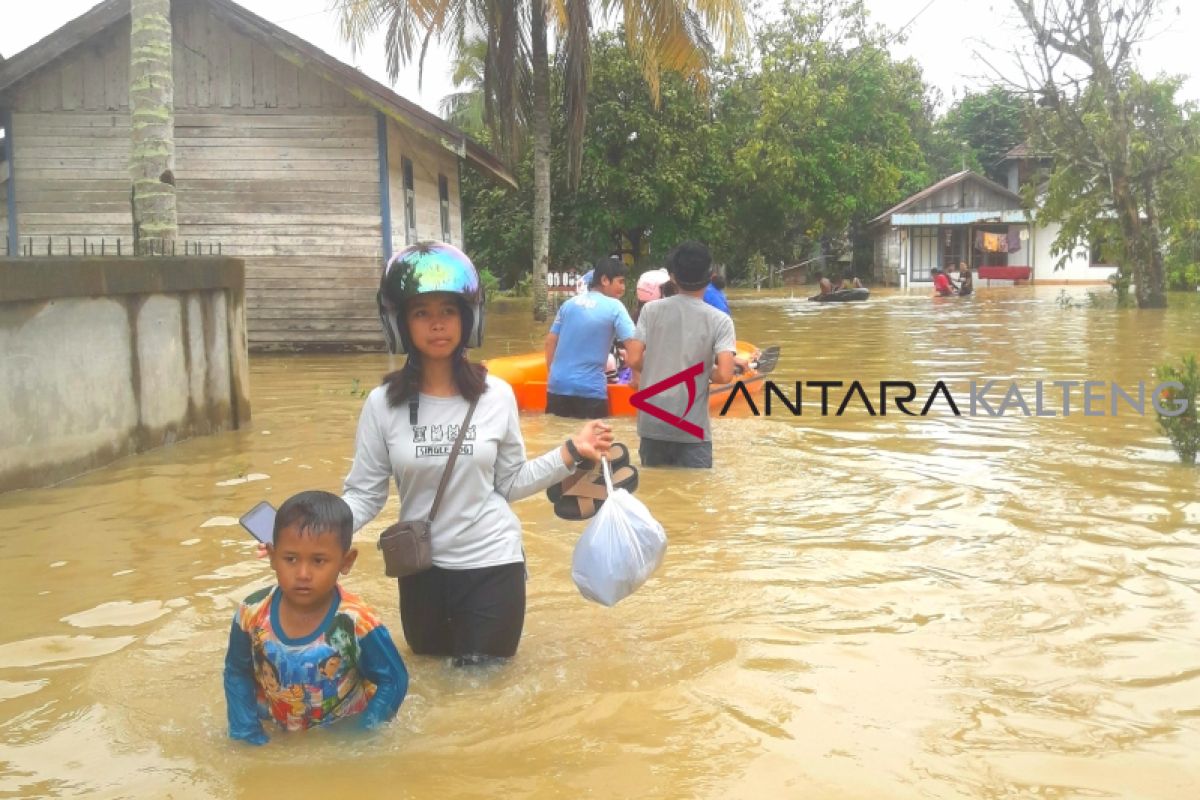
(620, 548)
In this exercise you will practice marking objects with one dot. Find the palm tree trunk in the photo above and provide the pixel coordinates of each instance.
(541, 159)
(152, 123)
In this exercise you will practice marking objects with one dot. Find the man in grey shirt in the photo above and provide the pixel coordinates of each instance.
(677, 340)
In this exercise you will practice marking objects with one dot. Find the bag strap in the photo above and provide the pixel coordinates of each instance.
(462, 432)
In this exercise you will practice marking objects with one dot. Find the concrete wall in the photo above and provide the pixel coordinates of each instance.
(103, 357)
(1078, 267)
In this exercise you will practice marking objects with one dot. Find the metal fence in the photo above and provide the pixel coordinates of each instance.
(33, 246)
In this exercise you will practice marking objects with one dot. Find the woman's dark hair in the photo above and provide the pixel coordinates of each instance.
(470, 379)
(718, 280)
(668, 289)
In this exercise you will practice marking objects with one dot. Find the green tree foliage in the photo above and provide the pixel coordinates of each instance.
(819, 127)
(465, 108)
(977, 130)
(1180, 191)
(1183, 429)
(1115, 137)
(664, 35)
(1142, 205)
(791, 150)
(650, 174)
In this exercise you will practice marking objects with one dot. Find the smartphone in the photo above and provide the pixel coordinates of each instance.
(260, 521)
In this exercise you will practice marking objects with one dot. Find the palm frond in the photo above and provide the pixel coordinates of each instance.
(577, 57)
(674, 35)
(505, 72)
(405, 22)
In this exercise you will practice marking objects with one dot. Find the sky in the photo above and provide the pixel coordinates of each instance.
(952, 40)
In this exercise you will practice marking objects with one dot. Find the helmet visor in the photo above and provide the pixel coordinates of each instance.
(426, 268)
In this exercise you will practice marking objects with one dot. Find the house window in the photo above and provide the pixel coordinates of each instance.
(1102, 251)
(924, 253)
(410, 202)
(444, 197)
(954, 249)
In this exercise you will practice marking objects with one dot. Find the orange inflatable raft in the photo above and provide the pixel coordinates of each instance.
(526, 373)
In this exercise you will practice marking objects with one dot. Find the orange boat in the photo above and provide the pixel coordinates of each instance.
(526, 373)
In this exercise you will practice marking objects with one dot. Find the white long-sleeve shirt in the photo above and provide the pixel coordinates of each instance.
(474, 527)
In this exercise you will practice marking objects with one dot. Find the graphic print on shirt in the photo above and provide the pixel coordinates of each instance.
(436, 441)
(304, 686)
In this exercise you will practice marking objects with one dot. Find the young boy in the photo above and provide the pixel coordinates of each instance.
(307, 652)
(673, 335)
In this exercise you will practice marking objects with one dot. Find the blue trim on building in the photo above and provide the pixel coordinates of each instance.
(462, 230)
(1012, 216)
(385, 199)
(11, 186)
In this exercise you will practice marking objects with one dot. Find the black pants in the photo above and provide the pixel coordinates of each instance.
(565, 405)
(470, 614)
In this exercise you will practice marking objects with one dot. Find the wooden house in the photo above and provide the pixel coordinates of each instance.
(284, 156)
(967, 218)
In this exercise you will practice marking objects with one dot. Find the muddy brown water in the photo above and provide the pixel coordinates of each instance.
(851, 607)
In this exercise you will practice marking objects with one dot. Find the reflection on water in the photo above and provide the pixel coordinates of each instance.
(850, 606)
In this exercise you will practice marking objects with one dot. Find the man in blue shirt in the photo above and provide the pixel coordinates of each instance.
(579, 341)
(713, 294)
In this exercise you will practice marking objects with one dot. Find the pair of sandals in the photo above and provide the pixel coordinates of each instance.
(580, 494)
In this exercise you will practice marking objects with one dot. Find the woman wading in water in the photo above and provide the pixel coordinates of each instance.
(470, 605)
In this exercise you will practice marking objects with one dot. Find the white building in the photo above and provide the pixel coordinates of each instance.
(969, 218)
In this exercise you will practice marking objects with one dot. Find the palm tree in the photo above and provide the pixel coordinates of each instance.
(152, 125)
(661, 34)
(464, 108)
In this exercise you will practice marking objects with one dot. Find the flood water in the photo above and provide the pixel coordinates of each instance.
(850, 607)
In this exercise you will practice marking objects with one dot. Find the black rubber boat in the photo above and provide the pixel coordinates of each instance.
(842, 296)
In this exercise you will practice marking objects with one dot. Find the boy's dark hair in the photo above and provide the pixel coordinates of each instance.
(717, 280)
(609, 267)
(316, 512)
(690, 264)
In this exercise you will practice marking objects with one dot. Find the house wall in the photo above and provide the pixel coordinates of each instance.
(272, 162)
(887, 256)
(966, 195)
(1077, 268)
(281, 168)
(429, 161)
(71, 145)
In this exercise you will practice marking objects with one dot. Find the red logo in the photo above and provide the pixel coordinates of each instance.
(640, 400)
